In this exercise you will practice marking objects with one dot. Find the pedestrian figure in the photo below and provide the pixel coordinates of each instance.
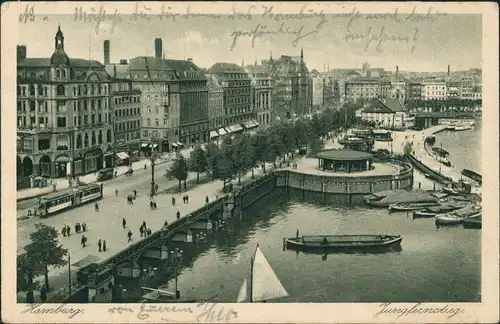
(99, 245)
(151, 205)
(173, 201)
(130, 199)
(84, 227)
(149, 231)
(178, 214)
(63, 232)
(165, 224)
(141, 230)
(68, 229)
(96, 207)
(116, 174)
(135, 194)
(116, 192)
(206, 199)
(77, 228)
(154, 205)
(187, 199)
(145, 166)
(124, 223)
(84, 240)
(104, 246)
(129, 234)
(144, 224)
(156, 188)
(183, 199)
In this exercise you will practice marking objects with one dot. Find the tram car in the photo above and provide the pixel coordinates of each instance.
(69, 198)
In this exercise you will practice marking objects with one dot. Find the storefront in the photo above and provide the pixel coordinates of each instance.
(62, 165)
(122, 158)
(45, 166)
(93, 160)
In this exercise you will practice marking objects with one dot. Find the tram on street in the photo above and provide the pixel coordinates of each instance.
(69, 198)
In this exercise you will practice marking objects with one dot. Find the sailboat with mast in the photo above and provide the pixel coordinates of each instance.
(262, 284)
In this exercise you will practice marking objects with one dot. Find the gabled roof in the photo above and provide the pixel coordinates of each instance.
(45, 62)
(386, 106)
(256, 69)
(184, 67)
(149, 62)
(222, 67)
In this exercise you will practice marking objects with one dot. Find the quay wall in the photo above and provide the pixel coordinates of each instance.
(425, 169)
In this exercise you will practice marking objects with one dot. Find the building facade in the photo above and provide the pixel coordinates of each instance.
(362, 88)
(262, 94)
(292, 94)
(64, 114)
(237, 94)
(191, 88)
(414, 90)
(126, 111)
(215, 103)
(388, 113)
(453, 89)
(434, 90)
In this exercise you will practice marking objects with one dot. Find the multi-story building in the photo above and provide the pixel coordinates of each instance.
(414, 90)
(466, 87)
(64, 114)
(237, 94)
(293, 88)
(126, 110)
(398, 88)
(215, 105)
(322, 85)
(453, 87)
(191, 84)
(262, 93)
(160, 106)
(388, 112)
(362, 88)
(434, 89)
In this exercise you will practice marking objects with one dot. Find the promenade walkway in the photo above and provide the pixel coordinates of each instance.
(63, 183)
(106, 224)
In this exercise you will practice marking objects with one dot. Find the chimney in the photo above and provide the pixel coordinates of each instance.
(158, 47)
(106, 52)
(448, 70)
(123, 62)
(397, 69)
(21, 52)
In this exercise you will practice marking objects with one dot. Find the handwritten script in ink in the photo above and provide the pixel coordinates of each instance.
(389, 309)
(53, 309)
(206, 312)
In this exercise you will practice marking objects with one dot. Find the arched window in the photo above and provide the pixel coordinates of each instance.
(91, 90)
(60, 90)
(84, 89)
(32, 90)
(86, 141)
(99, 137)
(64, 73)
(93, 138)
(108, 136)
(40, 90)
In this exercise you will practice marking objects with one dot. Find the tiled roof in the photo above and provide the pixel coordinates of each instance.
(387, 105)
(222, 67)
(256, 69)
(182, 67)
(149, 62)
(45, 62)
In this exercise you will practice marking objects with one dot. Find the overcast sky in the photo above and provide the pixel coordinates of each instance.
(428, 45)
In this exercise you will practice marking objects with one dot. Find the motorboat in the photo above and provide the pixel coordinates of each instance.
(412, 206)
(339, 242)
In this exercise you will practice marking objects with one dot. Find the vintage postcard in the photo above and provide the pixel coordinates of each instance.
(230, 162)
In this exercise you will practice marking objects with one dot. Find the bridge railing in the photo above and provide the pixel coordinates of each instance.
(161, 234)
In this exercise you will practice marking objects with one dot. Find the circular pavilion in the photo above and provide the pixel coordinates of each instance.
(344, 160)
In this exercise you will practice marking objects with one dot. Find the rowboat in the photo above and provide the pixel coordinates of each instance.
(262, 283)
(433, 211)
(473, 221)
(448, 219)
(412, 206)
(472, 175)
(333, 242)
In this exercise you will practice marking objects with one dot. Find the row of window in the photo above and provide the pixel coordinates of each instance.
(127, 99)
(127, 112)
(123, 126)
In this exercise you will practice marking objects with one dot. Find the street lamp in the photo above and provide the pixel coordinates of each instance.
(176, 256)
(152, 157)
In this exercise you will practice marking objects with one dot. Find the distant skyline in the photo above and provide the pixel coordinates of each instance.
(427, 46)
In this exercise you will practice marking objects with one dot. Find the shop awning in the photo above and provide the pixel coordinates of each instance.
(175, 145)
(213, 134)
(235, 128)
(222, 131)
(154, 145)
(255, 123)
(62, 159)
(180, 144)
(250, 124)
(122, 155)
(144, 145)
(108, 153)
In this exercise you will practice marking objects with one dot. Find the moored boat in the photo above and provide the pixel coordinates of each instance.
(339, 242)
(433, 211)
(462, 127)
(448, 219)
(472, 175)
(474, 221)
(412, 206)
(430, 139)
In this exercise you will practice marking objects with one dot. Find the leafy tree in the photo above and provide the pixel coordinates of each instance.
(198, 162)
(27, 270)
(301, 133)
(43, 251)
(315, 146)
(241, 157)
(179, 170)
(212, 153)
(222, 168)
(260, 148)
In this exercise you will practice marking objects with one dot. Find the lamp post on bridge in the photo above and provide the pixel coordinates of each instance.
(176, 256)
(153, 156)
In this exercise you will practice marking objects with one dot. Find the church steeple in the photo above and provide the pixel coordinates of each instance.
(271, 56)
(59, 44)
(302, 53)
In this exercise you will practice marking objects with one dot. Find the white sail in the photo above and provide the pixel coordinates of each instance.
(243, 295)
(265, 283)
